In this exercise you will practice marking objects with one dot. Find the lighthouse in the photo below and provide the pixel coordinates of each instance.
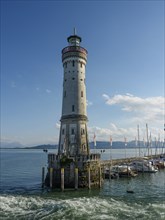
(74, 166)
(73, 139)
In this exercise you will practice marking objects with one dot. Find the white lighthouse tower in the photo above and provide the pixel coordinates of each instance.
(74, 166)
(73, 140)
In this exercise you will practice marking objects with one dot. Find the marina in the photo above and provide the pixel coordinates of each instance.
(111, 169)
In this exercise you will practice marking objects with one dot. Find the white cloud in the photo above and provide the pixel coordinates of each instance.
(144, 110)
(10, 142)
(114, 127)
(89, 103)
(43, 140)
(118, 133)
(5, 139)
(48, 90)
(58, 125)
(106, 97)
(129, 94)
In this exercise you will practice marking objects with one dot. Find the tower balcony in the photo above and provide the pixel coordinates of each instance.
(72, 51)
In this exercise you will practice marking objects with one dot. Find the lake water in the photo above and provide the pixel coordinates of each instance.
(21, 195)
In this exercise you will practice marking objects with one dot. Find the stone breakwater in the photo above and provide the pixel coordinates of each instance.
(127, 160)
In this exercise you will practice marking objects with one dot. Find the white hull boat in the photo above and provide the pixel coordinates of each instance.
(143, 166)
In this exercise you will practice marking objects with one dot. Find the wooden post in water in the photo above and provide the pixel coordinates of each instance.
(76, 178)
(104, 171)
(100, 177)
(109, 172)
(110, 164)
(89, 178)
(43, 177)
(62, 179)
(51, 177)
(127, 170)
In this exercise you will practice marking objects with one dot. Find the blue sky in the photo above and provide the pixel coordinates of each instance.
(124, 74)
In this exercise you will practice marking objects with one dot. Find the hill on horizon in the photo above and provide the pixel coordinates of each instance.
(99, 145)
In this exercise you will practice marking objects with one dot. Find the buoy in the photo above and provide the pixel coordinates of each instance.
(130, 191)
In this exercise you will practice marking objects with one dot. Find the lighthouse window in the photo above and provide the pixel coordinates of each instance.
(82, 131)
(72, 108)
(63, 131)
(81, 93)
(73, 63)
(66, 65)
(73, 78)
(81, 65)
(72, 130)
(83, 147)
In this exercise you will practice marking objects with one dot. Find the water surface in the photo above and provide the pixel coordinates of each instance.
(21, 195)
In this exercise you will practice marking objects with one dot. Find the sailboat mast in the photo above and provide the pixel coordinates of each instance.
(110, 150)
(150, 143)
(125, 140)
(147, 138)
(158, 143)
(155, 146)
(164, 140)
(138, 139)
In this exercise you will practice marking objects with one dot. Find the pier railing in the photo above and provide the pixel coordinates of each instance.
(55, 157)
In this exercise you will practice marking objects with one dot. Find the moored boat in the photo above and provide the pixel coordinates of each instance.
(119, 171)
(158, 162)
(143, 166)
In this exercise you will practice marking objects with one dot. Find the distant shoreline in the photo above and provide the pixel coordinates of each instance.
(99, 145)
(92, 148)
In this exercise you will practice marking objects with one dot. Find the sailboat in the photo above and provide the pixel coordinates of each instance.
(143, 165)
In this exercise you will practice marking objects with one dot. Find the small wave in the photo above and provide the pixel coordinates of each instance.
(94, 208)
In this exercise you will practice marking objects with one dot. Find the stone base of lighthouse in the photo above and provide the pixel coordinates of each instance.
(79, 172)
